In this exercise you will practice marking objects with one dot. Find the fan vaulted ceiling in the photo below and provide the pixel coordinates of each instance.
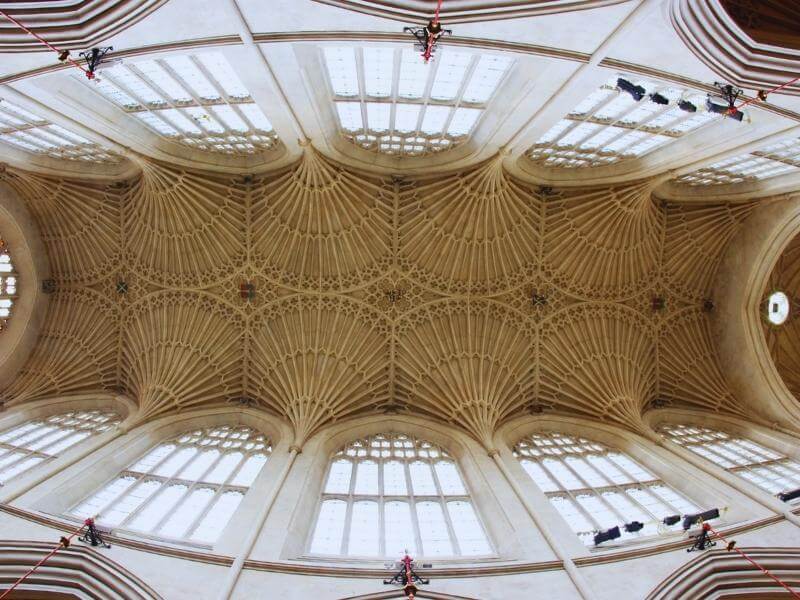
(297, 214)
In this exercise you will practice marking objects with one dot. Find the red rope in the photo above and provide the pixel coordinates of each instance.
(436, 14)
(751, 561)
(775, 89)
(49, 45)
(61, 544)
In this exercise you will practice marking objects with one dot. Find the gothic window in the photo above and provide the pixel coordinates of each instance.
(186, 488)
(388, 100)
(8, 285)
(28, 131)
(391, 493)
(25, 446)
(778, 158)
(196, 100)
(769, 470)
(595, 488)
(609, 125)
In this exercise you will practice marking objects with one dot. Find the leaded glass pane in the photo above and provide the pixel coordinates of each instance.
(26, 446)
(594, 488)
(409, 482)
(765, 468)
(187, 488)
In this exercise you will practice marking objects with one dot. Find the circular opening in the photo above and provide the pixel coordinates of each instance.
(777, 308)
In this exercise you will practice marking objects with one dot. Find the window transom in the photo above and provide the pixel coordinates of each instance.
(595, 488)
(389, 101)
(25, 446)
(610, 126)
(197, 100)
(185, 489)
(776, 159)
(32, 133)
(391, 493)
(769, 470)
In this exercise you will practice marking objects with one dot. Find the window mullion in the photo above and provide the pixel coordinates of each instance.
(412, 507)
(199, 518)
(145, 503)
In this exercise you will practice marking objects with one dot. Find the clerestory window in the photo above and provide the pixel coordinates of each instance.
(595, 488)
(26, 446)
(185, 489)
(391, 493)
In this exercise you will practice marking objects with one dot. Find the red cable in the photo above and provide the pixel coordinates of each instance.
(46, 43)
(41, 562)
(432, 38)
(436, 14)
(751, 561)
(775, 89)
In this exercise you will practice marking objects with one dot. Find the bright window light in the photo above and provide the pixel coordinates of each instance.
(378, 116)
(350, 115)
(35, 442)
(378, 71)
(609, 125)
(423, 101)
(223, 73)
(204, 120)
(180, 120)
(594, 487)
(256, 116)
(414, 74)
(450, 75)
(198, 96)
(229, 117)
(187, 70)
(167, 84)
(779, 158)
(186, 489)
(397, 490)
(156, 123)
(463, 121)
(778, 308)
(27, 131)
(485, 78)
(771, 471)
(406, 117)
(341, 63)
(435, 118)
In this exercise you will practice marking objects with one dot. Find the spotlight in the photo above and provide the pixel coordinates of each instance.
(687, 106)
(608, 534)
(637, 92)
(721, 109)
(689, 520)
(634, 526)
(791, 495)
(671, 520)
(659, 99)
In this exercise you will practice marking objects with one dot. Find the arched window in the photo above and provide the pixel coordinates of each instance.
(187, 488)
(8, 285)
(35, 442)
(769, 470)
(595, 488)
(389, 493)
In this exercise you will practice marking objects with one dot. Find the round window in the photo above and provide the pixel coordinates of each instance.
(777, 308)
